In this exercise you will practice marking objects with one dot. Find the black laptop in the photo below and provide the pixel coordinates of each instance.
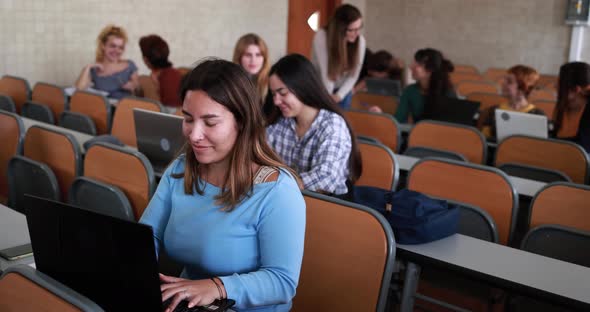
(453, 110)
(387, 87)
(109, 260)
(159, 137)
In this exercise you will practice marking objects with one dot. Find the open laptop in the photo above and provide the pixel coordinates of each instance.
(510, 123)
(159, 137)
(453, 110)
(109, 260)
(387, 87)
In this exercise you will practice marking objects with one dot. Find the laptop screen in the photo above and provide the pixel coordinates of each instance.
(511, 123)
(453, 110)
(159, 136)
(109, 260)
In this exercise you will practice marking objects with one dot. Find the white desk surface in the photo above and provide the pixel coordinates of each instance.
(523, 186)
(80, 137)
(513, 265)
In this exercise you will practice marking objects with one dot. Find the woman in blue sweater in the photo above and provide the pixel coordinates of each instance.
(228, 210)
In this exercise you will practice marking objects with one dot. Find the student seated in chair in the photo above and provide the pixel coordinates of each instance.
(572, 113)
(109, 72)
(251, 52)
(431, 71)
(308, 130)
(381, 65)
(517, 85)
(228, 209)
(166, 78)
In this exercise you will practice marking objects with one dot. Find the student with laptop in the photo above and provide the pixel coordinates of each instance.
(228, 209)
(519, 82)
(431, 71)
(572, 113)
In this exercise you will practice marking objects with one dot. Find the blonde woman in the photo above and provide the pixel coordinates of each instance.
(109, 72)
(251, 52)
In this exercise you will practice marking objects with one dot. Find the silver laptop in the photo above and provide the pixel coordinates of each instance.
(385, 87)
(159, 137)
(510, 123)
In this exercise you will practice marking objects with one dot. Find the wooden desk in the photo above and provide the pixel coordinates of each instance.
(522, 272)
(13, 232)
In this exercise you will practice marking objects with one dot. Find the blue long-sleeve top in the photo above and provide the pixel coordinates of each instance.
(256, 249)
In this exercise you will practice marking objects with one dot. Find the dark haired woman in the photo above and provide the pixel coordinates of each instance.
(431, 71)
(338, 51)
(167, 79)
(228, 209)
(307, 129)
(572, 113)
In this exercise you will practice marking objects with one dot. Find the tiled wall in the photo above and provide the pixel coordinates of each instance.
(485, 33)
(51, 40)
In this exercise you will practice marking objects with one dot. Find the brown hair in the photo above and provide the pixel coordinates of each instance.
(228, 84)
(526, 78)
(155, 50)
(103, 37)
(571, 75)
(342, 55)
(262, 77)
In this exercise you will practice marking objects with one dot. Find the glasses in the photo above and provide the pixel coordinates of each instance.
(354, 30)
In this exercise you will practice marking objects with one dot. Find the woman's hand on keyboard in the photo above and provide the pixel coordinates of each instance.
(197, 293)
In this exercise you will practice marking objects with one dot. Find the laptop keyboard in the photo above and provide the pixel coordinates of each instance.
(216, 306)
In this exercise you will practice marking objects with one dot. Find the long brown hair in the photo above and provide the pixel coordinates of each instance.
(228, 84)
(241, 46)
(301, 78)
(342, 55)
(109, 30)
(571, 75)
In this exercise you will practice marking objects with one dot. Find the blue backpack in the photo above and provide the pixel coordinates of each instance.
(414, 217)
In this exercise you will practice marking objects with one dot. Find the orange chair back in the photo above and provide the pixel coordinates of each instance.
(548, 107)
(562, 203)
(150, 91)
(94, 106)
(363, 101)
(58, 150)
(380, 168)
(560, 155)
(379, 126)
(124, 123)
(17, 88)
(478, 185)
(467, 87)
(467, 141)
(457, 77)
(11, 136)
(52, 96)
(331, 277)
(127, 169)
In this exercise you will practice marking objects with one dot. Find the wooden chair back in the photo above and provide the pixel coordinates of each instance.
(485, 187)
(467, 141)
(94, 106)
(331, 279)
(17, 88)
(123, 121)
(564, 156)
(57, 149)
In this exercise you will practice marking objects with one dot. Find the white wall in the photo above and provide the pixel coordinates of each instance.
(485, 33)
(51, 40)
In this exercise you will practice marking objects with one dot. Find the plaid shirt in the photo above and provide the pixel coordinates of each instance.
(320, 156)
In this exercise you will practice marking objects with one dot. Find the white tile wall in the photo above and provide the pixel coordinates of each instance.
(51, 40)
(485, 33)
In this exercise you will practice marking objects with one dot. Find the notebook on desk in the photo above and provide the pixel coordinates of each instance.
(159, 137)
(511, 123)
(453, 110)
(387, 87)
(109, 260)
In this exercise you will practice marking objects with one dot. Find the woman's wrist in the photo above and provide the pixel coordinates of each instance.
(220, 287)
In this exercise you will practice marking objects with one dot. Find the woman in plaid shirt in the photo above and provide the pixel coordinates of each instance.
(307, 129)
